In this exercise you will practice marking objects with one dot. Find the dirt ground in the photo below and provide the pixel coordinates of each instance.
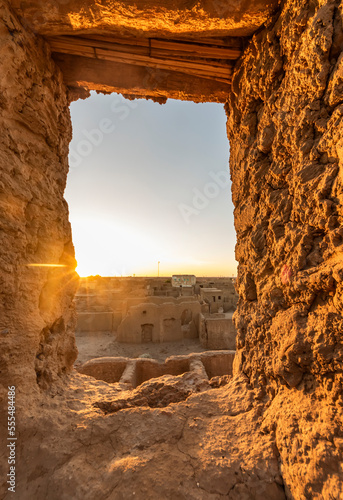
(99, 344)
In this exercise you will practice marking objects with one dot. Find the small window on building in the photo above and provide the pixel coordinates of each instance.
(214, 298)
(219, 297)
(143, 312)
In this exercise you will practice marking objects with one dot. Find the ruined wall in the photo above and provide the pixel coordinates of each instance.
(285, 125)
(36, 321)
(167, 322)
(217, 331)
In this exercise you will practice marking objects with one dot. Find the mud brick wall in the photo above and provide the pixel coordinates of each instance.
(285, 126)
(36, 317)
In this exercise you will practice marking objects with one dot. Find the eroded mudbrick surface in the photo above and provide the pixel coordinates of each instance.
(285, 128)
(36, 315)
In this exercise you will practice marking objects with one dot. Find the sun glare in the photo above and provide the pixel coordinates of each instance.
(108, 248)
(46, 265)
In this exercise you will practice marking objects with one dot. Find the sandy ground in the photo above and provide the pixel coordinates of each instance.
(99, 344)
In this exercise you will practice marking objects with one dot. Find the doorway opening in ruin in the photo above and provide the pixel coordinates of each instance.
(147, 331)
(186, 317)
(149, 197)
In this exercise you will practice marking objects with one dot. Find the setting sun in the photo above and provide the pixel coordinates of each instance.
(107, 248)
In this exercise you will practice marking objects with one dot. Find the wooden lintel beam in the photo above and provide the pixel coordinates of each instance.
(145, 46)
(139, 81)
(157, 55)
(195, 49)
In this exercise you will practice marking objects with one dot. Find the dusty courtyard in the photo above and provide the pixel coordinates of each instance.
(98, 344)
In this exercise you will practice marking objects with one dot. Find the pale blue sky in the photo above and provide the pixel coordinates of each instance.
(149, 183)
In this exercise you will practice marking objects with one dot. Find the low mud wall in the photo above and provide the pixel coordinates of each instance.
(136, 371)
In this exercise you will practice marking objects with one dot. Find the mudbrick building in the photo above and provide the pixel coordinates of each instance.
(135, 311)
(275, 430)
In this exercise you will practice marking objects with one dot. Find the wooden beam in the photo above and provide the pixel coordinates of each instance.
(158, 55)
(145, 46)
(233, 42)
(195, 49)
(138, 81)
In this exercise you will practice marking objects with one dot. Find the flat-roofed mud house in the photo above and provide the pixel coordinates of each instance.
(166, 322)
